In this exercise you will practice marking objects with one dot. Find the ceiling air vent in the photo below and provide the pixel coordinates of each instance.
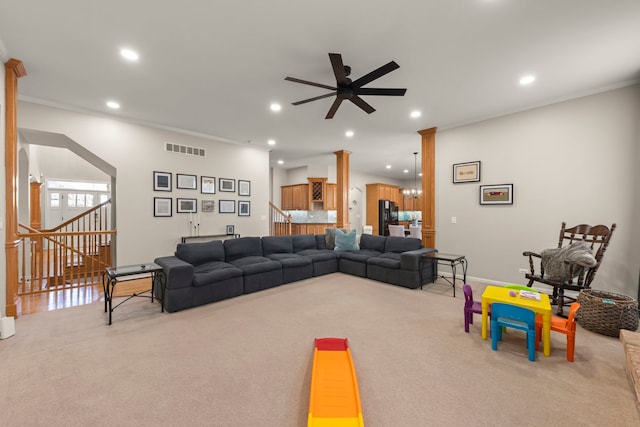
(183, 149)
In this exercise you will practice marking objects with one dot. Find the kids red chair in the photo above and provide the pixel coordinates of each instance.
(470, 307)
(564, 326)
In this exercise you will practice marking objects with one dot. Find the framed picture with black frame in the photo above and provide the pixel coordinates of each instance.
(226, 206)
(501, 194)
(161, 181)
(188, 182)
(244, 208)
(227, 185)
(466, 172)
(186, 205)
(244, 188)
(162, 206)
(207, 185)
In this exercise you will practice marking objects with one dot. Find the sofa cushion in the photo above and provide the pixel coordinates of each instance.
(302, 242)
(291, 260)
(402, 244)
(345, 241)
(243, 247)
(369, 241)
(360, 255)
(256, 264)
(200, 253)
(277, 245)
(319, 254)
(389, 260)
(212, 272)
(321, 241)
(330, 237)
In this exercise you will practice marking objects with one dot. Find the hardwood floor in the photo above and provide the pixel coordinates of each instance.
(79, 296)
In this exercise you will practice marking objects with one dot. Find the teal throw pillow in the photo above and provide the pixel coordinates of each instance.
(345, 241)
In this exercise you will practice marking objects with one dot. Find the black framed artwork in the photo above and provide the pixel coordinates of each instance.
(501, 194)
(244, 187)
(185, 181)
(227, 185)
(161, 181)
(162, 206)
(244, 208)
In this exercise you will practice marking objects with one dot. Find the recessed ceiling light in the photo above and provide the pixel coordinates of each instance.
(349, 133)
(420, 174)
(415, 114)
(129, 54)
(388, 166)
(271, 142)
(406, 171)
(275, 107)
(527, 80)
(113, 104)
(280, 162)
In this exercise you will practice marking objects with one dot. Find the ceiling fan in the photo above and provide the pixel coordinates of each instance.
(351, 90)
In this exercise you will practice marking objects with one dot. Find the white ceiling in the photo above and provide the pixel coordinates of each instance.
(214, 67)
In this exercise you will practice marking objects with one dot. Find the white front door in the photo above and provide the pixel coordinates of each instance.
(62, 205)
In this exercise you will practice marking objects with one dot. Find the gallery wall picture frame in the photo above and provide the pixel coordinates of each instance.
(185, 181)
(162, 206)
(186, 205)
(161, 181)
(231, 230)
(226, 206)
(466, 172)
(499, 194)
(244, 208)
(208, 206)
(244, 187)
(207, 185)
(227, 185)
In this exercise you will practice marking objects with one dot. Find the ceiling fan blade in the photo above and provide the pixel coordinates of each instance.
(338, 69)
(375, 74)
(305, 82)
(313, 99)
(382, 92)
(334, 108)
(362, 104)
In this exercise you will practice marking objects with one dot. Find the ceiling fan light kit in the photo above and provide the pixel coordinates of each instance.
(345, 88)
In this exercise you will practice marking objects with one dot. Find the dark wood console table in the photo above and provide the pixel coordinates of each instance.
(206, 238)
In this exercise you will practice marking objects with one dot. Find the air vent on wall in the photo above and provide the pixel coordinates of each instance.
(183, 149)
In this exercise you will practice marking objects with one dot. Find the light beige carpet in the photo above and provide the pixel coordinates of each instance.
(247, 362)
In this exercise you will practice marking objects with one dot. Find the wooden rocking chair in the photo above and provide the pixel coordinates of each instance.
(579, 275)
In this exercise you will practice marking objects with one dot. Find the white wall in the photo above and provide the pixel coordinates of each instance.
(574, 161)
(136, 151)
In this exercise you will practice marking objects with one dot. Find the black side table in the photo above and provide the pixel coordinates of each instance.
(110, 280)
(450, 260)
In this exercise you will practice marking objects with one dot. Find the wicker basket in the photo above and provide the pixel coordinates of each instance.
(607, 312)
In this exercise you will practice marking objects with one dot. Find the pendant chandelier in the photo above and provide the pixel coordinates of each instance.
(414, 192)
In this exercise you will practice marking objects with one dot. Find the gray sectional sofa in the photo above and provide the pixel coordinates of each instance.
(201, 273)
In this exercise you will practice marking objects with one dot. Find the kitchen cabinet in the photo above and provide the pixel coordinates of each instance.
(295, 197)
(330, 198)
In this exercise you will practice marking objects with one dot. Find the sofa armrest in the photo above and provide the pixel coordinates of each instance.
(410, 260)
(179, 273)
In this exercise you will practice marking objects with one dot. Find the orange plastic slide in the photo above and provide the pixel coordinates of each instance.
(334, 400)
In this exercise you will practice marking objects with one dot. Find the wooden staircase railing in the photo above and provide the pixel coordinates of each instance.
(71, 255)
(279, 222)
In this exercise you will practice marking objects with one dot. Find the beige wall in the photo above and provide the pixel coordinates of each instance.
(575, 161)
(136, 151)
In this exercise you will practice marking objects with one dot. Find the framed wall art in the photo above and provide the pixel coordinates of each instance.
(244, 188)
(186, 205)
(188, 182)
(208, 206)
(161, 181)
(207, 185)
(231, 230)
(226, 184)
(244, 208)
(501, 194)
(226, 206)
(466, 172)
(162, 206)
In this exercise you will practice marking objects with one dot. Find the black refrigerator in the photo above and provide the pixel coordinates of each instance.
(388, 214)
